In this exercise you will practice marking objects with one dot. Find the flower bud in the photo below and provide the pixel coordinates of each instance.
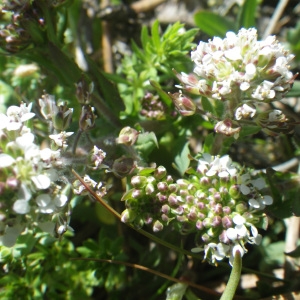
(216, 221)
(162, 186)
(160, 172)
(87, 118)
(128, 136)
(241, 207)
(84, 91)
(149, 189)
(123, 166)
(63, 117)
(227, 222)
(128, 216)
(158, 226)
(184, 105)
(138, 181)
(228, 128)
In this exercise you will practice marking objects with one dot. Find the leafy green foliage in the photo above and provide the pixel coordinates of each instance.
(160, 53)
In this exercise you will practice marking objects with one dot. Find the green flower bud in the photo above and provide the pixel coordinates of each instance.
(128, 216)
(63, 117)
(139, 181)
(158, 226)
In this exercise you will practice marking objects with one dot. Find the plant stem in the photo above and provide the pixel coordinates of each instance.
(234, 278)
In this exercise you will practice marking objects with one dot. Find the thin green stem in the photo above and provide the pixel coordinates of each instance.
(234, 278)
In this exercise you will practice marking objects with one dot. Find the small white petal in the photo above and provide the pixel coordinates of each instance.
(12, 126)
(231, 233)
(21, 207)
(60, 200)
(3, 121)
(259, 183)
(245, 190)
(41, 181)
(244, 86)
(238, 220)
(43, 200)
(6, 160)
(267, 200)
(254, 203)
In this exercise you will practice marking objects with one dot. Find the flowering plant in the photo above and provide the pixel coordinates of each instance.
(184, 142)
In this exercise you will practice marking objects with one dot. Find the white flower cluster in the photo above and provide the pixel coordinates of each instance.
(241, 70)
(240, 63)
(29, 195)
(240, 229)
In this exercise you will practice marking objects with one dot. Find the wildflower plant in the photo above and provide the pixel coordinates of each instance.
(154, 143)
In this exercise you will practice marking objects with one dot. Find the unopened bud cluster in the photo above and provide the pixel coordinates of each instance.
(219, 201)
(152, 107)
(240, 71)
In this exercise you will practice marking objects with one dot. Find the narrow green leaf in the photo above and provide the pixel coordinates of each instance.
(145, 37)
(213, 24)
(163, 95)
(155, 34)
(247, 14)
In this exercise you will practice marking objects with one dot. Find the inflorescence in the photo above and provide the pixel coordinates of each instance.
(242, 72)
(219, 201)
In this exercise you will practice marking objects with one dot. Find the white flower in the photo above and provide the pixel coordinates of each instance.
(222, 167)
(244, 112)
(61, 139)
(215, 251)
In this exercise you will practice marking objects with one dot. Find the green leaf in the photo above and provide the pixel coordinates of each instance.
(208, 143)
(146, 142)
(155, 34)
(295, 91)
(247, 14)
(176, 291)
(163, 95)
(145, 38)
(182, 160)
(207, 106)
(249, 130)
(219, 108)
(213, 24)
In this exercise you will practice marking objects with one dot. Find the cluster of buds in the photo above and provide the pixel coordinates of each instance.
(152, 107)
(26, 25)
(240, 71)
(219, 201)
(31, 192)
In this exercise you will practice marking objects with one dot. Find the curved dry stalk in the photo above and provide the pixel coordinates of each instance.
(275, 18)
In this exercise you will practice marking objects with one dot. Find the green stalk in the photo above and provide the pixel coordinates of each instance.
(234, 278)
